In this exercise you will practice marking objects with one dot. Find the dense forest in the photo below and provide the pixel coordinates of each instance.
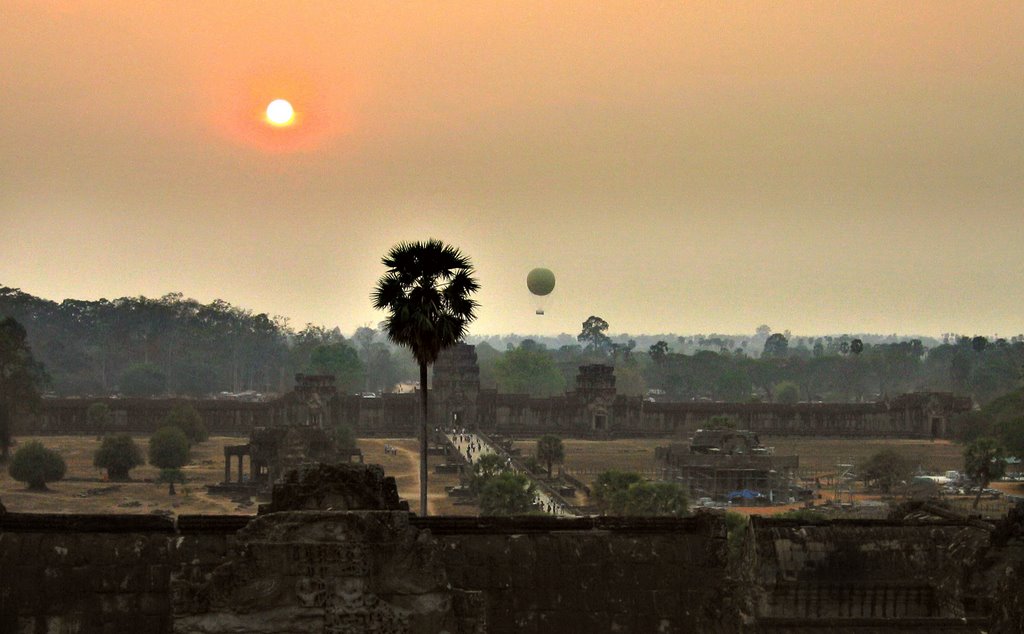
(138, 346)
(173, 345)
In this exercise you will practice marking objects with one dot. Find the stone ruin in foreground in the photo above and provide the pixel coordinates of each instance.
(337, 552)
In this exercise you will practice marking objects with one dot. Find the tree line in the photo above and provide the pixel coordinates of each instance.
(831, 369)
(138, 346)
(172, 345)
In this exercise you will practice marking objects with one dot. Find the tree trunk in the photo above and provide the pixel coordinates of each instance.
(977, 498)
(423, 440)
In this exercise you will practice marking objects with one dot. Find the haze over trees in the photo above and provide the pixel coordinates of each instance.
(140, 346)
(173, 345)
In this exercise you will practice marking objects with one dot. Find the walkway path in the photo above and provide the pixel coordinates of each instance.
(480, 447)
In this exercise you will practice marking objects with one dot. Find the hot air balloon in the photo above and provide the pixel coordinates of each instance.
(540, 282)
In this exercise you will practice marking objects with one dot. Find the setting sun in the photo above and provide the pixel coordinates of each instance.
(280, 113)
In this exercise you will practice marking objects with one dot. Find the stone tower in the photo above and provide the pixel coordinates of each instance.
(595, 388)
(455, 387)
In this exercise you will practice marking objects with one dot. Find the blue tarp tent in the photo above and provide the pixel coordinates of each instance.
(744, 494)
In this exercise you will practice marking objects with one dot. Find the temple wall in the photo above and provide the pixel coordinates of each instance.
(124, 573)
(135, 573)
(591, 575)
(571, 415)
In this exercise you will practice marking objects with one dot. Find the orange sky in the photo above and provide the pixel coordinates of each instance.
(688, 167)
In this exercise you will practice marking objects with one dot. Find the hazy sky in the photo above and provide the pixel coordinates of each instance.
(688, 167)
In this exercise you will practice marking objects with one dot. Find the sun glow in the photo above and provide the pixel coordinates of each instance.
(280, 113)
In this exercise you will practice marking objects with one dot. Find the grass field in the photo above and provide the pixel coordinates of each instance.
(85, 490)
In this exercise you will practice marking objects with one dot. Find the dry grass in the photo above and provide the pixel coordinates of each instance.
(136, 496)
(207, 467)
(817, 457)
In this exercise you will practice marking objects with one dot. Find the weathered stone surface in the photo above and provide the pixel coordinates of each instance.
(335, 572)
(336, 487)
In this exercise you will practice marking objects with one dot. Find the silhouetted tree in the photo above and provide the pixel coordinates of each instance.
(20, 378)
(550, 451)
(984, 461)
(593, 334)
(426, 292)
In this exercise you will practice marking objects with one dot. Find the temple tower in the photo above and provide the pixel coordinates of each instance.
(455, 387)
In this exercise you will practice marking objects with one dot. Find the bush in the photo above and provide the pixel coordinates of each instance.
(886, 469)
(168, 448)
(506, 494)
(651, 499)
(188, 420)
(610, 483)
(36, 465)
(118, 455)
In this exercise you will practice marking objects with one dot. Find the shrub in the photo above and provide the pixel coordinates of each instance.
(118, 455)
(168, 448)
(886, 469)
(651, 499)
(36, 465)
(187, 419)
(506, 494)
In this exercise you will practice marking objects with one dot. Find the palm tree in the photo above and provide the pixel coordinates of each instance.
(426, 293)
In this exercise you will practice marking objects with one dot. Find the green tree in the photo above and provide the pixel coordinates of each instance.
(776, 346)
(593, 334)
(143, 380)
(507, 494)
(651, 499)
(486, 467)
(20, 378)
(786, 392)
(885, 469)
(98, 416)
(529, 370)
(168, 449)
(550, 451)
(36, 465)
(186, 418)
(342, 361)
(984, 461)
(118, 455)
(426, 293)
(609, 484)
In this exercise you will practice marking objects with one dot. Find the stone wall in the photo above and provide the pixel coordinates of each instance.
(875, 574)
(341, 572)
(593, 410)
(355, 571)
(591, 575)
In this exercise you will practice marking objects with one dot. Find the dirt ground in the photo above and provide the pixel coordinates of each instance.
(85, 489)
